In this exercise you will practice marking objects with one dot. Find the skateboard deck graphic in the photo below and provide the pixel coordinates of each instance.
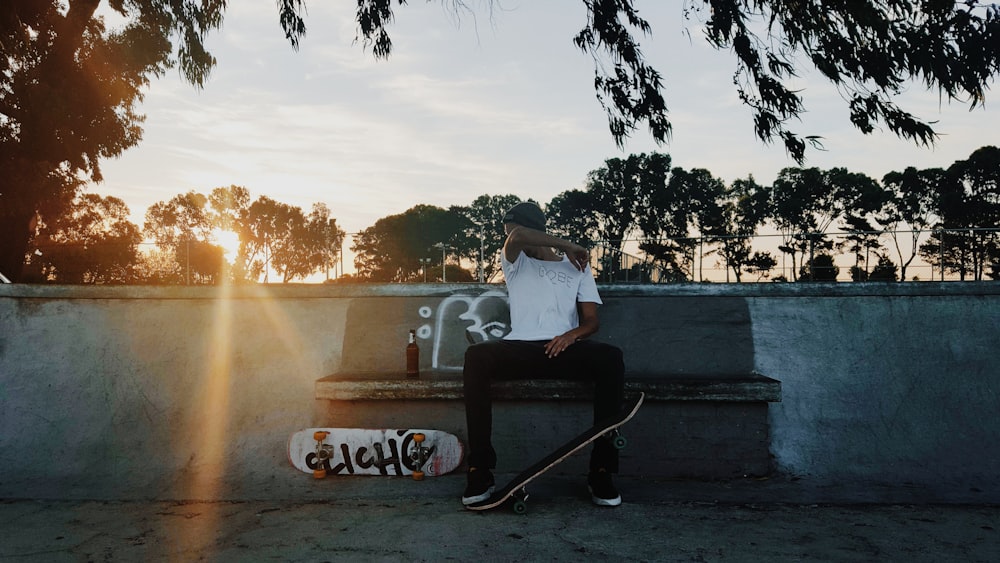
(516, 487)
(367, 451)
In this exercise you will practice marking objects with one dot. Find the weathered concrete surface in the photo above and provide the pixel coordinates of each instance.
(904, 389)
(190, 393)
(143, 393)
(385, 519)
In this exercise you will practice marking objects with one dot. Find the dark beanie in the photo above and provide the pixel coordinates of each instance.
(526, 214)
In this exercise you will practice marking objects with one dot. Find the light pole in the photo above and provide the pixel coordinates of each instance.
(444, 249)
(481, 244)
(424, 262)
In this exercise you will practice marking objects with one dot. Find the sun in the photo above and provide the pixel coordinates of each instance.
(229, 241)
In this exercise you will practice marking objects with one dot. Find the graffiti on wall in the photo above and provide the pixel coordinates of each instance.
(460, 320)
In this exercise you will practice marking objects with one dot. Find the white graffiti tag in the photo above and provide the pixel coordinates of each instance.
(462, 320)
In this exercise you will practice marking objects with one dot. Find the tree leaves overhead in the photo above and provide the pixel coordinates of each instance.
(870, 50)
(627, 88)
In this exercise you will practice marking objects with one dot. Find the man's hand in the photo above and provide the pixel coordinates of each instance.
(578, 256)
(558, 344)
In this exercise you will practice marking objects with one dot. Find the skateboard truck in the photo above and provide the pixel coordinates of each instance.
(323, 453)
(419, 456)
(521, 501)
(617, 439)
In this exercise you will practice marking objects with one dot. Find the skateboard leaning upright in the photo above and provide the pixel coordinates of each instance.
(517, 487)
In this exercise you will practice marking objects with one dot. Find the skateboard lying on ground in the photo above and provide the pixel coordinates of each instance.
(366, 451)
(517, 487)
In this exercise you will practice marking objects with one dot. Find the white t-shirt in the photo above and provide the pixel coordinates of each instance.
(543, 296)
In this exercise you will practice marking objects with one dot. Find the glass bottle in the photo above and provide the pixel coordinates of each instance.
(412, 357)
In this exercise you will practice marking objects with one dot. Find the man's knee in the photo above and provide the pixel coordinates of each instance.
(477, 354)
(610, 358)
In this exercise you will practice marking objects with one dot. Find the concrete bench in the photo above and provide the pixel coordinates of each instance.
(448, 386)
(705, 427)
(707, 409)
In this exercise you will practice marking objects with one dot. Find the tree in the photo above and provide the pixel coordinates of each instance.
(862, 200)
(910, 208)
(485, 218)
(324, 240)
(729, 217)
(748, 210)
(713, 217)
(666, 219)
(968, 208)
(608, 209)
(93, 242)
(278, 238)
(885, 270)
(68, 95)
(760, 264)
(229, 207)
(862, 239)
(819, 269)
(391, 249)
(183, 226)
(806, 201)
(871, 51)
(569, 216)
(616, 191)
(796, 195)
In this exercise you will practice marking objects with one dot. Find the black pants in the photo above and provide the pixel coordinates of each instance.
(498, 360)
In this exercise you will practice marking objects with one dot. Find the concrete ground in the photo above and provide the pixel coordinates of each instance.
(397, 519)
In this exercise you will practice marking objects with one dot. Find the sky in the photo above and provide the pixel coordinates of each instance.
(496, 101)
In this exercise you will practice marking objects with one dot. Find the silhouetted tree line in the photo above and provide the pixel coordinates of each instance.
(71, 87)
(96, 243)
(674, 213)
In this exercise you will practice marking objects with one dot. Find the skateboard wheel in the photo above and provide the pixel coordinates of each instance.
(319, 435)
(319, 473)
(520, 507)
(418, 475)
(419, 438)
(619, 442)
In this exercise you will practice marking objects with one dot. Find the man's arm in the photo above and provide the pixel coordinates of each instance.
(521, 238)
(589, 325)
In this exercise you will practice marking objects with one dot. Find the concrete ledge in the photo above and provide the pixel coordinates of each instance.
(448, 386)
(409, 290)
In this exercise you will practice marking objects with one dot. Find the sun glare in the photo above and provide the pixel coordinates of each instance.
(229, 241)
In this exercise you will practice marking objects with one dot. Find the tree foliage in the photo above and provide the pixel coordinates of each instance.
(69, 90)
(485, 219)
(731, 224)
(910, 204)
(93, 242)
(182, 226)
(391, 249)
(871, 51)
(967, 199)
(273, 236)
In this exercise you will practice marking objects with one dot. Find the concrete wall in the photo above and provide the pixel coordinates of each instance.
(192, 392)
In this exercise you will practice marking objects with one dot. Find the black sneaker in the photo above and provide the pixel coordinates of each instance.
(602, 489)
(480, 486)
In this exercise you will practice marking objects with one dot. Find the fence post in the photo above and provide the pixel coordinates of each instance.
(701, 259)
(941, 253)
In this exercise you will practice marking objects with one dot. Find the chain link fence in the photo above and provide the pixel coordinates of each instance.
(968, 254)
